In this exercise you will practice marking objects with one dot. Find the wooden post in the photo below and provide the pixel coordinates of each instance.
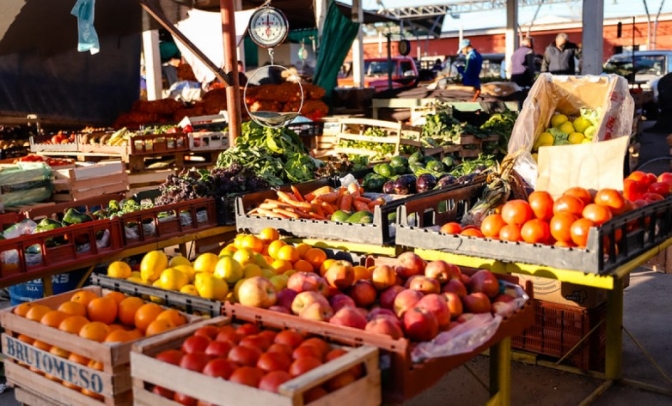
(231, 67)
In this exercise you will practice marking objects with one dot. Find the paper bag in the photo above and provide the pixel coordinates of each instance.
(609, 94)
(593, 166)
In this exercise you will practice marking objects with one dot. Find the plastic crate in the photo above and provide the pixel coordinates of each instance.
(641, 230)
(558, 328)
(38, 144)
(208, 141)
(311, 129)
(152, 144)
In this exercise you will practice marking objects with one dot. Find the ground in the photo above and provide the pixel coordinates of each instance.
(646, 317)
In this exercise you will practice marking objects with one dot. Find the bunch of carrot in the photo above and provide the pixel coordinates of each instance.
(319, 204)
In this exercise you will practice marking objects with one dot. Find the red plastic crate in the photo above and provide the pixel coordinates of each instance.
(9, 219)
(558, 328)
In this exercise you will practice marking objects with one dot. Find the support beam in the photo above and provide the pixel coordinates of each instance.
(231, 67)
(240, 52)
(321, 8)
(511, 33)
(152, 59)
(593, 37)
(358, 45)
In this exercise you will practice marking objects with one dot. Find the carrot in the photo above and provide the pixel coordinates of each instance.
(285, 198)
(363, 199)
(276, 203)
(309, 197)
(253, 211)
(328, 209)
(328, 197)
(375, 203)
(317, 216)
(317, 209)
(269, 213)
(346, 202)
(297, 194)
(286, 213)
(322, 190)
(360, 206)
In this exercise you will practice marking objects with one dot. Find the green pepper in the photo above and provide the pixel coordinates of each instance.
(47, 224)
(72, 216)
(100, 214)
(113, 206)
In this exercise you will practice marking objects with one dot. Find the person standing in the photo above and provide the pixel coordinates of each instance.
(471, 70)
(522, 64)
(559, 56)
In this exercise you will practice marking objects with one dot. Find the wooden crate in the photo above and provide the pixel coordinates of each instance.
(397, 134)
(86, 181)
(209, 141)
(148, 371)
(113, 383)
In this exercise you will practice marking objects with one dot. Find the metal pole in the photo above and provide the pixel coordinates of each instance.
(231, 66)
(634, 68)
(389, 61)
(648, 25)
(654, 44)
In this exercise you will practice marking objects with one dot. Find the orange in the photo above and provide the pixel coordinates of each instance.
(281, 266)
(135, 334)
(42, 345)
(59, 352)
(37, 312)
(83, 297)
(118, 336)
(22, 309)
(25, 339)
(173, 316)
(127, 309)
(73, 308)
(78, 359)
(54, 318)
(269, 234)
(316, 257)
(95, 331)
(324, 266)
(274, 247)
(73, 324)
(253, 243)
(303, 248)
(115, 327)
(117, 296)
(158, 327)
(146, 314)
(303, 266)
(102, 309)
(288, 253)
(451, 228)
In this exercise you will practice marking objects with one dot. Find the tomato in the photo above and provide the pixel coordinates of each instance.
(632, 189)
(451, 228)
(568, 204)
(660, 188)
(541, 204)
(650, 178)
(472, 232)
(535, 231)
(517, 212)
(510, 232)
(561, 225)
(665, 177)
(564, 244)
(579, 231)
(637, 176)
(56, 139)
(491, 225)
(652, 197)
(219, 368)
(195, 344)
(171, 356)
(611, 198)
(195, 362)
(597, 213)
(580, 193)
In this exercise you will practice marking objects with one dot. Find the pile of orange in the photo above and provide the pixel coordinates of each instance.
(111, 318)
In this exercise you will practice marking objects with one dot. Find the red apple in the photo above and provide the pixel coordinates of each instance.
(424, 284)
(340, 275)
(307, 281)
(410, 264)
(466, 279)
(340, 301)
(454, 303)
(465, 317)
(317, 311)
(477, 303)
(350, 317)
(257, 291)
(437, 305)
(363, 293)
(383, 277)
(379, 311)
(384, 325)
(484, 281)
(388, 295)
(286, 297)
(439, 270)
(406, 300)
(303, 299)
(455, 286)
(420, 324)
(506, 298)
(280, 309)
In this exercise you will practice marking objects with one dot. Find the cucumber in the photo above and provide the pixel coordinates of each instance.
(361, 217)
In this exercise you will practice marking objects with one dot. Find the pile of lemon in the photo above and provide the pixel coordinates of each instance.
(578, 131)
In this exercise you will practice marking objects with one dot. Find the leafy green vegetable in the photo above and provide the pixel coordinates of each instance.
(560, 138)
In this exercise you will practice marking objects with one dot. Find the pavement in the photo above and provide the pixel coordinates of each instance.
(647, 304)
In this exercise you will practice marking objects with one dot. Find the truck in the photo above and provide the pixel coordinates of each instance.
(404, 73)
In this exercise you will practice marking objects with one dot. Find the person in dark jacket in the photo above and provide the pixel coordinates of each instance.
(559, 56)
(522, 64)
(471, 70)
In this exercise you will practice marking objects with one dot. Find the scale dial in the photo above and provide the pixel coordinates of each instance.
(268, 27)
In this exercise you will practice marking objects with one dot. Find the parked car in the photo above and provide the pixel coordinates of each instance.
(404, 74)
(650, 66)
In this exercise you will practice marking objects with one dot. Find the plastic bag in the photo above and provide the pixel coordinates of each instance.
(607, 93)
(87, 39)
(25, 182)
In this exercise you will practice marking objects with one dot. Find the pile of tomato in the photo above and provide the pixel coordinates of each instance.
(566, 220)
(49, 161)
(60, 138)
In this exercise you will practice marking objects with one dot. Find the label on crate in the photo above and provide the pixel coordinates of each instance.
(61, 368)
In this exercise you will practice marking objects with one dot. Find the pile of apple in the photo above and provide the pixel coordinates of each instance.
(263, 359)
(410, 298)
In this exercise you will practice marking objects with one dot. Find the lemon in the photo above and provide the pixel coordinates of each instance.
(535, 157)
(178, 260)
(136, 274)
(228, 269)
(236, 287)
(544, 140)
(567, 128)
(290, 272)
(189, 290)
(586, 140)
(261, 261)
(268, 273)
(279, 282)
(173, 279)
(157, 284)
(558, 119)
(119, 270)
(152, 264)
(244, 256)
(206, 262)
(188, 270)
(238, 241)
(136, 279)
(576, 138)
(590, 132)
(251, 270)
(210, 287)
(580, 124)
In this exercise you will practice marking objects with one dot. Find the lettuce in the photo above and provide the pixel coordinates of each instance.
(559, 137)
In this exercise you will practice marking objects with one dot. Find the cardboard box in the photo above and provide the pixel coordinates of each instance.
(661, 262)
(565, 293)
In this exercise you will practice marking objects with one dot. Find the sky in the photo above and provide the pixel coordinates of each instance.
(492, 19)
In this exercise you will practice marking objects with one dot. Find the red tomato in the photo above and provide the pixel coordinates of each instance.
(535, 231)
(632, 189)
(491, 225)
(665, 177)
(660, 188)
(579, 231)
(195, 362)
(561, 225)
(652, 197)
(541, 204)
(568, 204)
(611, 198)
(581, 194)
(597, 213)
(517, 212)
(650, 178)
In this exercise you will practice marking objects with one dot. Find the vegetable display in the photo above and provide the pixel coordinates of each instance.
(562, 130)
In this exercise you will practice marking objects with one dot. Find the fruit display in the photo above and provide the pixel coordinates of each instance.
(342, 204)
(380, 150)
(59, 138)
(52, 162)
(564, 130)
(259, 358)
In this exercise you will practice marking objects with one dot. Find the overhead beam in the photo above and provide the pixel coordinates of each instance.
(458, 7)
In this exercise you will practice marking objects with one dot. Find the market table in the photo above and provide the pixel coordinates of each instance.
(613, 282)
